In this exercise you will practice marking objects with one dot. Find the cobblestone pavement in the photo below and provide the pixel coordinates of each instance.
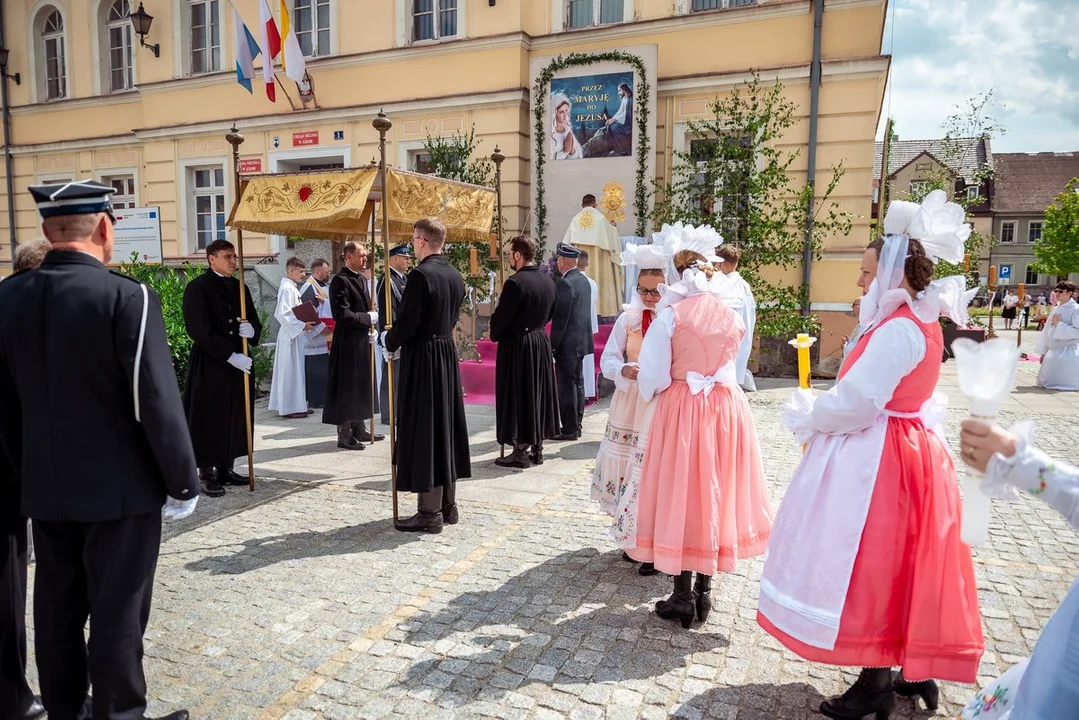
(299, 601)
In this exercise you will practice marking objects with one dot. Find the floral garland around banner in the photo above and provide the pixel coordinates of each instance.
(644, 145)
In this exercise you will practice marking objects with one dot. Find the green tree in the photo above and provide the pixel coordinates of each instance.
(1058, 249)
(736, 177)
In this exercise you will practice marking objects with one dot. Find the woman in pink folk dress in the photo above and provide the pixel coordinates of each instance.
(702, 500)
(619, 364)
(866, 566)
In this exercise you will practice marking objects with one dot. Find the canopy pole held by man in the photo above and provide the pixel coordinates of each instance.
(235, 139)
(497, 158)
(382, 124)
(372, 266)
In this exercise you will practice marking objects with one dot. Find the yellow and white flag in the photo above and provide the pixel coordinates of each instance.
(292, 61)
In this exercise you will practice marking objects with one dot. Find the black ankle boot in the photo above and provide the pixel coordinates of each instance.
(680, 603)
(871, 694)
(927, 690)
(703, 589)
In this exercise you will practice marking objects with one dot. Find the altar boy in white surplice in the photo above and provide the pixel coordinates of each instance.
(287, 391)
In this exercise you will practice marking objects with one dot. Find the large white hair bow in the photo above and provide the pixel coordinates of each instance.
(702, 239)
(645, 256)
(939, 225)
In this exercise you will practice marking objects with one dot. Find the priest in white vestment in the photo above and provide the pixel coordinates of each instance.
(729, 256)
(591, 231)
(288, 395)
(1059, 343)
(588, 365)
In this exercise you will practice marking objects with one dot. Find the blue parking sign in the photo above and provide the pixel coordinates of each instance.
(1005, 272)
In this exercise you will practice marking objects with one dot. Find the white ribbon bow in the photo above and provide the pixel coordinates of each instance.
(726, 375)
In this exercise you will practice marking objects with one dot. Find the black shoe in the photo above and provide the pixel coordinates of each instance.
(208, 484)
(345, 440)
(566, 437)
(421, 522)
(536, 456)
(34, 710)
(450, 515)
(230, 477)
(927, 690)
(627, 558)
(647, 569)
(703, 590)
(871, 695)
(680, 604)
(362, 434)
(178, 715)
(517, 459)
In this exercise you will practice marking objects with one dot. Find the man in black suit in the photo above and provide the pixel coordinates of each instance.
(399, 259)
(17, 701)
(432, 442)
(348, 386)
(526, 401)
(75, 336)
(571, 340)
(214, 391)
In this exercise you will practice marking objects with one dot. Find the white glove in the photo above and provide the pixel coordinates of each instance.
(374, 317)
(178, 509)
(240, 362)
(247, 330)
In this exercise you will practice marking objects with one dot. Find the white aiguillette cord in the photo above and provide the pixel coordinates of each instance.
(138, 352)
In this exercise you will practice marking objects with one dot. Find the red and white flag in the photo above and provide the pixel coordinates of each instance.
(271, 47)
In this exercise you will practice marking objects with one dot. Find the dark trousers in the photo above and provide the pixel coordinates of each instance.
(434, 501)
(15, 694)
(104, 571)
(384, 392)
(569, 377)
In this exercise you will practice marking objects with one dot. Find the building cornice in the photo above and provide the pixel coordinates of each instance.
(870, 67)
(129, 97)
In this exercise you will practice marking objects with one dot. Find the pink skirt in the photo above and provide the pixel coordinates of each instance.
(624, 420)
(702, 499)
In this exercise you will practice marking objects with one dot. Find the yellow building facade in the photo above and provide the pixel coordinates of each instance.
(92, 103)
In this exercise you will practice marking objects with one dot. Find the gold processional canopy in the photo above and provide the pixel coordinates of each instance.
(337, 204)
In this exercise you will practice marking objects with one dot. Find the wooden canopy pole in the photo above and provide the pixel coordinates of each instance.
(374, 328)
(235, 139)
(498, 158)
(383, 125)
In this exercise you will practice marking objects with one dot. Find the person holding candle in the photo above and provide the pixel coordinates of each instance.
(1047, 684)
(619, 364)
(1059, 343)
(702, 501)
(866, 566)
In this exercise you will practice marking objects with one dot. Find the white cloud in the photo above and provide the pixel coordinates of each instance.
(1026, 51)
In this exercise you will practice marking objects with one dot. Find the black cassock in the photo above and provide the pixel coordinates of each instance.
(432, 429)
(571, 340)
(348, 386)
(214, 393)
(397, 290)
(526, 402)
(70, 350)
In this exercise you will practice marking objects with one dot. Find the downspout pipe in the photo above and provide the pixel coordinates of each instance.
(8, 167)
(811, 171)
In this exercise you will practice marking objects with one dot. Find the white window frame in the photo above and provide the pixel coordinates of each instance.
(685, 7)
(127, 32)
(597, 6)
(278, 243)
(41, 36)
(185, 169)
(1037, 277)
(186, 47)
(107, 175)
(316, 48)
(684, 138)
(1014, 225)
(974, 193)
(54, 177)
(436, 38)
(1030, 228)
(916, 186)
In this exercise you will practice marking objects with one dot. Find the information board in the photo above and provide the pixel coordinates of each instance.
(138, 231)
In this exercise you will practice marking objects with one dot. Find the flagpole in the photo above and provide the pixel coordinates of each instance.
(383, 125)
(235, 139)
(282, 86)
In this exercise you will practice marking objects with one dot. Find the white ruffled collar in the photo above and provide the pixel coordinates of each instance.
(694, 282)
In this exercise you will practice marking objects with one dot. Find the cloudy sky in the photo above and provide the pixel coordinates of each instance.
(1026, 51)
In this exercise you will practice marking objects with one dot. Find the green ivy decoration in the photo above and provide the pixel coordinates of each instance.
(644, 145)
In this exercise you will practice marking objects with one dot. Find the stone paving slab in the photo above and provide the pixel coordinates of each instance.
(299, 601)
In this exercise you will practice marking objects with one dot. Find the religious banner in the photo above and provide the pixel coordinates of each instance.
(592, 116)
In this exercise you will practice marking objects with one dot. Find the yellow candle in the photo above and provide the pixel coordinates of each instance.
(992, 276)
(966, 263)
(494, 246)
(473, 261)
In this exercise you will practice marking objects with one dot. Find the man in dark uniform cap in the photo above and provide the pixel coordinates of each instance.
(571, 339)
(214, 391)
(399, 259)
(74, 335)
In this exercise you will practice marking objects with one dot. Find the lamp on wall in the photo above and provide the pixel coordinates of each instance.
(3, 67)
(141, 21)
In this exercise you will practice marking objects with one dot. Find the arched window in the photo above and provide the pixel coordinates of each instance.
(120, 47)
(52, 36)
